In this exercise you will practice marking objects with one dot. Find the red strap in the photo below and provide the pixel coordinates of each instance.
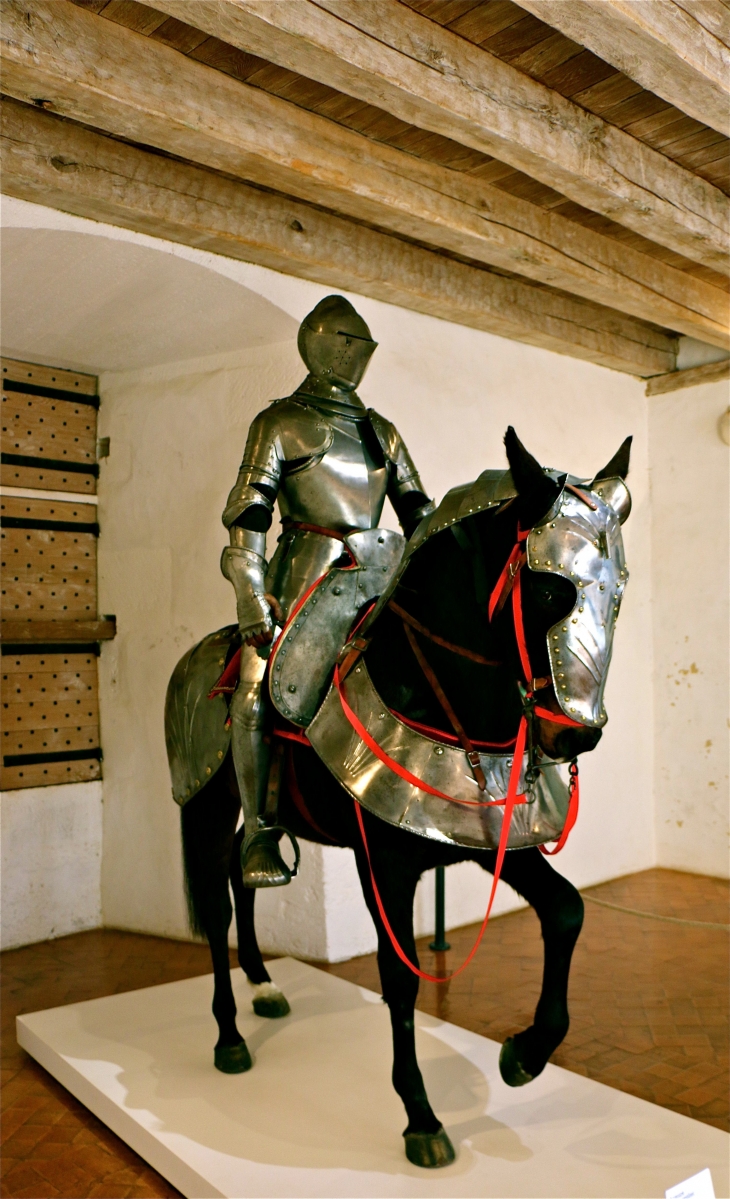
(556, 718)
(509, 804)
(297, 735)
(520, 629)
(448, 738)
(300, 524)
(401, 771)
(505, 582)
(228, 681)
(572, 816)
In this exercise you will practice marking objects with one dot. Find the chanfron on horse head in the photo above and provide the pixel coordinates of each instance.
(436, 737)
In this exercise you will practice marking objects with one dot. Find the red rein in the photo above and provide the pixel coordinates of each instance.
(508, 582)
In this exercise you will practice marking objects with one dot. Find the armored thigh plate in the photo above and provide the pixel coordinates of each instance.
(195, 726)
(443, 767)
(307, 650)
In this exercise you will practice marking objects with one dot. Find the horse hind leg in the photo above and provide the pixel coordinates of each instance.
(268, 999)
(559, 908)
(208, 826)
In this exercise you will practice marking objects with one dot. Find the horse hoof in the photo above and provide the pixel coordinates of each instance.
(272, 1006)
(429, 1149)
(269, 1001)
(232, 1059)
(510, 1066)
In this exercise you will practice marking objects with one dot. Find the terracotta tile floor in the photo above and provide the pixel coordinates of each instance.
(649, 1006)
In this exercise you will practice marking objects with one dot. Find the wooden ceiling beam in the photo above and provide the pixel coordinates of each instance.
(55, 162)
(223, 123)
(663, 46)
(386, 54)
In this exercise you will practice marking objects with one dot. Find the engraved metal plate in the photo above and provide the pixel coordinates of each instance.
(398, 802)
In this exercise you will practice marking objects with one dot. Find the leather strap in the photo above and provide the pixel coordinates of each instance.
(572, 816)
(455, 649)
(472, 755)
(401, 771)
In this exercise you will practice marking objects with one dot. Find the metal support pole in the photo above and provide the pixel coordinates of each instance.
(439, 943)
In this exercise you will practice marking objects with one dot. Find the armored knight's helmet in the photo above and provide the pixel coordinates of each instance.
(335, 343)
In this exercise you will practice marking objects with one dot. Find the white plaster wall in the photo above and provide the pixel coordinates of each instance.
(689, 487)
(51, 862)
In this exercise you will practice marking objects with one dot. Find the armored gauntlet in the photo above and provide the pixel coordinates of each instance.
(244, 566)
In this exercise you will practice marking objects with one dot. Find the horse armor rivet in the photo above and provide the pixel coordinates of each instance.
(292, 687)
(438, 749)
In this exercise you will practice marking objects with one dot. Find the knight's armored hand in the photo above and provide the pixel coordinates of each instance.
(244, 565)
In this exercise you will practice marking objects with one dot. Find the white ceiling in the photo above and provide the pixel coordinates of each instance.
(91, 303)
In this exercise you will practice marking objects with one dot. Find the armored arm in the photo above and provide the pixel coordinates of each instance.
(405, 490)
(247, 516)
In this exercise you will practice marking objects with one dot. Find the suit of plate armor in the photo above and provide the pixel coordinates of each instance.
(330, 463)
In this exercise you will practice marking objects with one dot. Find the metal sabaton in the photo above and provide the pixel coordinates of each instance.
(51, 393)
(74, 468)
(58, 526)
(65, 755)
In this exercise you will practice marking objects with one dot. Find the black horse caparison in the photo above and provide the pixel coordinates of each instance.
(440, 590)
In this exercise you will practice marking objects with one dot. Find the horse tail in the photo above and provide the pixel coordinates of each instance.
(208, 825)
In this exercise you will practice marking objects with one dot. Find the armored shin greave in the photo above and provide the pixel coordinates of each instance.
(260, 860)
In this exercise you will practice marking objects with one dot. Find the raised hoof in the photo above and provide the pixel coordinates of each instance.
(510, 1066)
(429, 1149)
(232, 1059)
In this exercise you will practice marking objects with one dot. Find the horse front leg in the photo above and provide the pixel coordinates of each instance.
(268, 999)
(426, 1142)
(559, 908)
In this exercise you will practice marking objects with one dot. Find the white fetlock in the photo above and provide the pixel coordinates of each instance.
(265, 990)
(269, 1001)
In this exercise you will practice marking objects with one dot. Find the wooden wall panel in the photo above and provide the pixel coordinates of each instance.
(49, 691)
(50, 707)
(48, 428)
(48, 376)
(48, 573)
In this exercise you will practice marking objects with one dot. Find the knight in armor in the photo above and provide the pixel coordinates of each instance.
(329, 462)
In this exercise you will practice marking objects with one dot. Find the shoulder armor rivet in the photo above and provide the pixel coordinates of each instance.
(221, 661)
(565, 628)
(197, 782)
(207, 770)
(575, 620)
(438, 749)
(292, 687)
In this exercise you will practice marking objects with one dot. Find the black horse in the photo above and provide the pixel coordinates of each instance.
(441, 589)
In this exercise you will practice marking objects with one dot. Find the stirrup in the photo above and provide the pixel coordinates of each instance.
(261, 863)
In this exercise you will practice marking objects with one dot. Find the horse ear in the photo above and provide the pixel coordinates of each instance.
(538, 492)
(618, 467)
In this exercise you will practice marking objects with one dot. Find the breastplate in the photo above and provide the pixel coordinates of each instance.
(344, 489)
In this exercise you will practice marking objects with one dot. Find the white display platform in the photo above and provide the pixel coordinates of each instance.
(317, 1115)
